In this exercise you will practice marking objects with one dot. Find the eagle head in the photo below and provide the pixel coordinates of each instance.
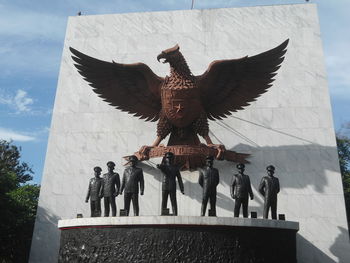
(169, 55)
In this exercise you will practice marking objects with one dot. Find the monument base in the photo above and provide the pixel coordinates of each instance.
(177, 239)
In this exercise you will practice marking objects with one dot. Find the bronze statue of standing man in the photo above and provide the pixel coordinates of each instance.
(170, 173)
(269, 188)
(132, 178)
(208, 180)
(240, 189)
(110, 189)
(94, 193)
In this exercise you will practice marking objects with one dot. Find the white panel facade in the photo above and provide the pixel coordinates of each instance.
(290, 126)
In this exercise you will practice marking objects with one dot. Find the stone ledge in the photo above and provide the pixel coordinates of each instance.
(176, 220)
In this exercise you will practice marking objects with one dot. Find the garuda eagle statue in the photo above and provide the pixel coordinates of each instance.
(181, 103)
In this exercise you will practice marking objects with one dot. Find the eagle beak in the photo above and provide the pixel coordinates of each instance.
(161, 56)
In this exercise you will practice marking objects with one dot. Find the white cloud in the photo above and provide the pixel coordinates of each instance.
(7, 135)
(21, 101)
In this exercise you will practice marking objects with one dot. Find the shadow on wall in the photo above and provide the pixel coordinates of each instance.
(340, 247)
(297, 167)
(46, 238)
(312, 253)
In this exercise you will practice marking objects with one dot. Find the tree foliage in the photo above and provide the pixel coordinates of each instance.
(18, 204)
(343, 143)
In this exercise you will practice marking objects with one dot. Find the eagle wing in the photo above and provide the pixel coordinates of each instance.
(230, 85)
(133, 88)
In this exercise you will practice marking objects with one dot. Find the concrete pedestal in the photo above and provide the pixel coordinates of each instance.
(177, 239)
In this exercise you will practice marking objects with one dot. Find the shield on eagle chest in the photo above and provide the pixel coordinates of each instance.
(181, 106)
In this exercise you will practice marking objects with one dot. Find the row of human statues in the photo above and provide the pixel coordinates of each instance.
(109, 187)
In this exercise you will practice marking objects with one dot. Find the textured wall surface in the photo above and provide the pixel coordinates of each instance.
(290, 126)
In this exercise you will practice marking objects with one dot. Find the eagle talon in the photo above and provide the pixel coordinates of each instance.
(143, 153)
(220, 150)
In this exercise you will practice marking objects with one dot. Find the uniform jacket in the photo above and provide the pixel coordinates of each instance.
(111, 184)
(131, 178)
(170, 173)
(94, 190)
(269, 187)
(240, 187)
(208, 179)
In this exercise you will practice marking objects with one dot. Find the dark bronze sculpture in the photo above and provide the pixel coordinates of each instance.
(269, 188)
(170, 173)
(94, 193)
(183, 102)
(110, 189)
(208, 180)
(132, 178)
(240, 189)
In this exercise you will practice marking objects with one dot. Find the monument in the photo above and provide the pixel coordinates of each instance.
(290, 126)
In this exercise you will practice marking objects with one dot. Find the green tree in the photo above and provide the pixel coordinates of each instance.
(343, 143)
(18, 204)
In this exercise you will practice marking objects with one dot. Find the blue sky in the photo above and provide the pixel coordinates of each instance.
(31, 42)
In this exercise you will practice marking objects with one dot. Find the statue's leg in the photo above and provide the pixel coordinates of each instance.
(266, 209)
(173, 202)
(245, 207)
(274, 208)
(106, 204)
(98, 209)
(135, 203)
(92, 208)
(165, 194)
(127, 199)
(237, 206)
(213, 203)
(113, 205)
(204, 204)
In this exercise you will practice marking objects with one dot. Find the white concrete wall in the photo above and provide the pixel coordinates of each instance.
(290, 126)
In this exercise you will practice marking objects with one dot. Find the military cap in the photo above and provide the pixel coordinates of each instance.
(110, 163)
(270, 168)
(240, 165)
(133, 158)
(97, 168)
(210, 158)
(169, 155)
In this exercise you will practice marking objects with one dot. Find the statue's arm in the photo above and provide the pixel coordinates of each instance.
(123, 183)
(217, 177)
(117, 183)
(262, 187)
(232, 188)
(161, 167)
(88, 194)
(179, 179)
(142, 183)
(278, 186)
(200, 178)
(102, 189)
(250, 190)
